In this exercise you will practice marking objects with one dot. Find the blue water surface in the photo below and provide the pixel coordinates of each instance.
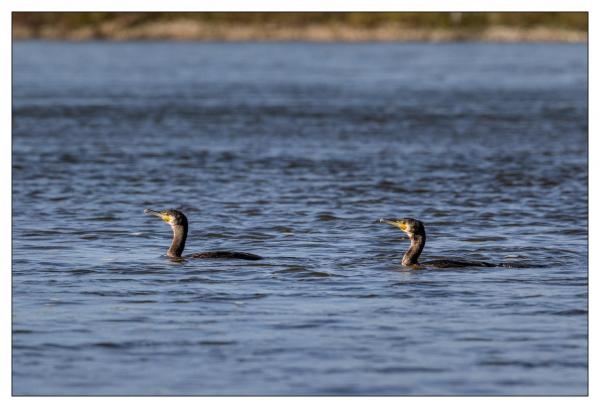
(293, 151)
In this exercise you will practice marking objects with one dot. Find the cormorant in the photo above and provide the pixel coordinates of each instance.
(416, 232)
(179, 224)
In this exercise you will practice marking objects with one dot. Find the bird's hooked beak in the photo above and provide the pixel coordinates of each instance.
(160, 214)
(401, 224)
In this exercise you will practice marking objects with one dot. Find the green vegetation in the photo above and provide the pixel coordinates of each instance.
(577, 21)
(31, 25)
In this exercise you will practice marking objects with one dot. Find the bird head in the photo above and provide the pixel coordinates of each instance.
(171, 217)
(409, 225)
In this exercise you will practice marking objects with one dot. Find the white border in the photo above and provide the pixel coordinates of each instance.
(7, 6)
(307, 5)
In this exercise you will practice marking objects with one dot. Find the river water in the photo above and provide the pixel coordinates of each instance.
(294, 151)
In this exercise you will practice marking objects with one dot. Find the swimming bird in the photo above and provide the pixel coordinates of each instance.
(179, 224)
(416, 232)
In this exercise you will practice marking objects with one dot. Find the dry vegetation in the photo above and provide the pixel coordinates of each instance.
(567, 27)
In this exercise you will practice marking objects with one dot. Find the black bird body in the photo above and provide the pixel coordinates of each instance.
(179, 224)
(456, 263)
(416, 232)
(225, 254)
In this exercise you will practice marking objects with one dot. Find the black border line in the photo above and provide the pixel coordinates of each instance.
(300, 395)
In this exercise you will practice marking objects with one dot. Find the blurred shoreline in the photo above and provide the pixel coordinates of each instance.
(192, 31)
(317, 27)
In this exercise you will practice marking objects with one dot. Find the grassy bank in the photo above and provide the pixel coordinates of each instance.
(510, 27)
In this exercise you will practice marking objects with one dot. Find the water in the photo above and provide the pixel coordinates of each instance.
(293, 152)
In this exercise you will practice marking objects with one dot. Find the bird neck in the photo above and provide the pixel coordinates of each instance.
(417, 242)
(179, 236)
